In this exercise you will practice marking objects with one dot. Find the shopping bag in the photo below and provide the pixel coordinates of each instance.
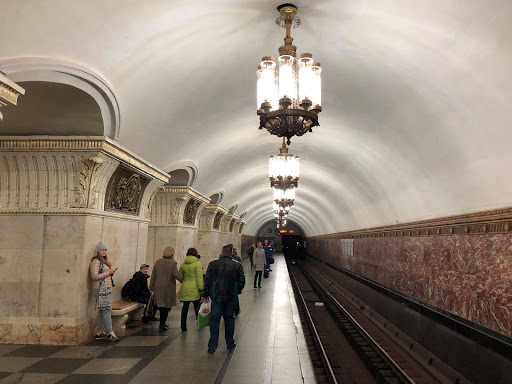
(265, 273)
(271, 260)
(203, 317)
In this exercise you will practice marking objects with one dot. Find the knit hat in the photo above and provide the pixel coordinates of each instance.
(169, 252)
(100, 247)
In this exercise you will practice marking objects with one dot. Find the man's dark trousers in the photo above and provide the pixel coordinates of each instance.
(226, 310)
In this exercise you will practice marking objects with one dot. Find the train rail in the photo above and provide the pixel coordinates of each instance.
(329, 317)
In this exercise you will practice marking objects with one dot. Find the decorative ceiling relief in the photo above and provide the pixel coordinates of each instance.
(125, 190)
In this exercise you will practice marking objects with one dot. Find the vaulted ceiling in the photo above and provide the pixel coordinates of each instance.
(416, 117)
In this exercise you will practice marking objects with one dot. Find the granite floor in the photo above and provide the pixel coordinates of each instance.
(270, 348)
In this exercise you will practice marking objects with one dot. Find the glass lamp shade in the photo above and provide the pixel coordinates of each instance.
(305, 78)
(287, 78)
(283, 166)
(279, 208)
(266, 85)
(316, 84)
(280, 194)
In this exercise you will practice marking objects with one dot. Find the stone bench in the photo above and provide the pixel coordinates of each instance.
(122, 311)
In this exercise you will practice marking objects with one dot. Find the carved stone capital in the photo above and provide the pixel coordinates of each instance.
(9, 92)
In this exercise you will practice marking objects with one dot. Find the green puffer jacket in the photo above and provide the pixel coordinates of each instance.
(192, 279)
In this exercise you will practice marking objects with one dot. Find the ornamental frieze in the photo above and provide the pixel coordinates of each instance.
(125, 190)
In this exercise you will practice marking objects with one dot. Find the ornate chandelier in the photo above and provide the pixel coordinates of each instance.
(284, 169)
(289, 101)
(284, 198)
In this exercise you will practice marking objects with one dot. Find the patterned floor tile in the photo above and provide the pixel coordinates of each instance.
(119, 352)
(56, 366)
(107, 366)
(16, 364)
(142, 341)
(35, 351)
(33, 378)
(81, 352)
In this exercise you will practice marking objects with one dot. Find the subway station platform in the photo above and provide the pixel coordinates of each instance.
(270, 348)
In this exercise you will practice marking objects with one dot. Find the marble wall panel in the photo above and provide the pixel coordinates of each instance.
(150, 246)
(25, 333)
(22, 265)
(59, 300)
(21, 231)
(62, 265)
(468, 276)
(19, 299)
(64, 232)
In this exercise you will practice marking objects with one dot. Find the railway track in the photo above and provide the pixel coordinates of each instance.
(346, 347)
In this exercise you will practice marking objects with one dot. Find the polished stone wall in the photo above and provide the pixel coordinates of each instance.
(467, 275)
(45, 287)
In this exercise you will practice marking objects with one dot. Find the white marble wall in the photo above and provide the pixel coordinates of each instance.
(45, 286)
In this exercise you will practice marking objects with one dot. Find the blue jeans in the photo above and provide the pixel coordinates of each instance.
(226, 310)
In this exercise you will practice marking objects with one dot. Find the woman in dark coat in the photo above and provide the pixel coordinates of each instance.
(163, 284)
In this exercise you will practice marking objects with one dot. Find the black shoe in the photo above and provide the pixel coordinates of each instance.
(146, 320)
(232, 347)
(259, 286)
(183, 329)
(211, 350)
(163, 328)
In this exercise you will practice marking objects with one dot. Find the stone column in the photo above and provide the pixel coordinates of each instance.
(210, 237)
(60, 196)
(174, 221)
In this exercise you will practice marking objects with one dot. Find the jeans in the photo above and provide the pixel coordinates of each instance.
(104, 317)
(226, 310)
(184, 311)
(258, 276)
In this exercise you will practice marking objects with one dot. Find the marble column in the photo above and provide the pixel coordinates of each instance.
(60, 196)
(174, 221)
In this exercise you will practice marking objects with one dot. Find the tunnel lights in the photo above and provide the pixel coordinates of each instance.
(289, 100)
(284, 169)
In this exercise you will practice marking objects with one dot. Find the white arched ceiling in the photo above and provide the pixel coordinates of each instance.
(182, 173)
(416, 118)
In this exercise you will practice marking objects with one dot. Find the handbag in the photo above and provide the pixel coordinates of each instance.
(271, 260)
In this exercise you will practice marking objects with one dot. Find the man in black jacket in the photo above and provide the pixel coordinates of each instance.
(140, 292)
(224, 280)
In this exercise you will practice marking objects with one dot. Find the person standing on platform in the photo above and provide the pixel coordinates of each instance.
(224, 280)
(250, 252)
(163, 285)
(192, 272)
(101, 274)
(259, 264)
(268, 254)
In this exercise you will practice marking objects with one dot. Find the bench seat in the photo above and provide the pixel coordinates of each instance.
(123, 310)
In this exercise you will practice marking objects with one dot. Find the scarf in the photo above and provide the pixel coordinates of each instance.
(104, 296)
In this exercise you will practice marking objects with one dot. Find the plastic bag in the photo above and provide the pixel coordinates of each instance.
(203, 317)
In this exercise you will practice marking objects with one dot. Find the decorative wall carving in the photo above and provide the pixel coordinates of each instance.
(168, 206)
(476, 223)
(86, 194)
(216, 221)
(190, 214)
(125, 190)
(63, 175)
(231, 225)
(241, 228)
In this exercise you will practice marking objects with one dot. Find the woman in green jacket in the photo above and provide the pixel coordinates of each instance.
(192, 271)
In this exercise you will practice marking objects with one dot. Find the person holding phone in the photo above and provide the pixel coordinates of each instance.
(101, 274)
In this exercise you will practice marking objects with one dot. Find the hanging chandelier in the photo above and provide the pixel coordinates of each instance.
(289, 100)
(284, 169)
(284, 198)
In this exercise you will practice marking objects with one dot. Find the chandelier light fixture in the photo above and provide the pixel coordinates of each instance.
(289, 100)
(284, 169)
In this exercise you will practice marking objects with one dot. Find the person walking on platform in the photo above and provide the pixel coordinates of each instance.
(250, 252)
(235, 254)
(101, 274)
(163, 284)
(224, 280)
(268, 254)
(192, 272)
(259, 264)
